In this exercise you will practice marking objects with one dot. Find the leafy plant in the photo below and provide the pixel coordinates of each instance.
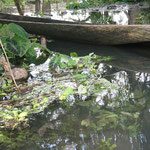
(63, 95)
(80, 76)
(106, 144)
(96, 3)
(16, 41)
(62, 61)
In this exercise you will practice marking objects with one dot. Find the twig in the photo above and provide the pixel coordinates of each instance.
(9, 66)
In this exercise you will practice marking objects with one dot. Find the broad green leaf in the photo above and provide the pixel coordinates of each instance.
(23, 114)
(18, 30)
(68, 91)
(73, 54)
(6, 32)
(55, 61)
(61, 60)
(18, 46)
(63, 65)
(80, 76)
(31, 52)
(72, 63)
(65, 58)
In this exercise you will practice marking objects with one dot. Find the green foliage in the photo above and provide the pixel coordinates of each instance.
(55, 61)
(4, 3)
(107, 119)
(96, 3)
(106, 144)
(73, 54)
(12, 118)
(62, 61)
(99, 18)
(75, 66)
(63, 95)
(143, 17)
(76, 5)
(80, 76)
(16, 42)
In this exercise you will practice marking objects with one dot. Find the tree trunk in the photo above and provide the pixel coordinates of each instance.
(19, 8)
(37, 6)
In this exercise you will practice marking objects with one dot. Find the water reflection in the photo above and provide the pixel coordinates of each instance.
(59, 127)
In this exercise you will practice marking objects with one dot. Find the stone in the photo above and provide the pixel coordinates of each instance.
(19, 74)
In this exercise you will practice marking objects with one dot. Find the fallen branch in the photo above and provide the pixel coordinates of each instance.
(12, 76)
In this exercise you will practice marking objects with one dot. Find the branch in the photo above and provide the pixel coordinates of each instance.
(17, 3)
(9, 66)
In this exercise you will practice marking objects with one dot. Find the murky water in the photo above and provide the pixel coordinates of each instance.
(122, 115)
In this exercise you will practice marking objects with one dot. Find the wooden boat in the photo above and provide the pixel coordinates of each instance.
(87, 33)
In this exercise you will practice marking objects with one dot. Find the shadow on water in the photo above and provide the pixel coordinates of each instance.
(134, 57)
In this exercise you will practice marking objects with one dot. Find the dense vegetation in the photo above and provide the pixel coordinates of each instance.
(97, 3)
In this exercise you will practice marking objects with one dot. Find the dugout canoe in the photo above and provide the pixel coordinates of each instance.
(86, 33)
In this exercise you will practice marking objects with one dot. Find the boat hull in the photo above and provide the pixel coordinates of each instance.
(87, 33)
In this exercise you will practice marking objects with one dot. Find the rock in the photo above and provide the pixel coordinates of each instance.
(19, 74)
